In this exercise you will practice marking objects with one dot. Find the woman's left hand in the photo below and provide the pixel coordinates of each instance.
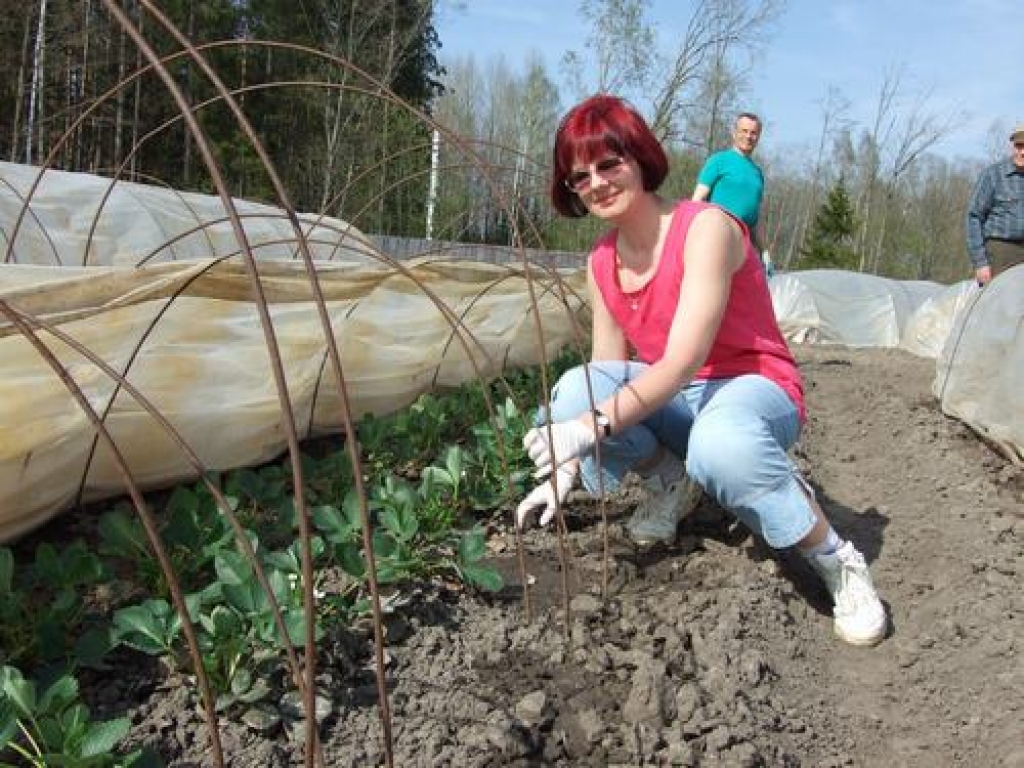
(570, 439)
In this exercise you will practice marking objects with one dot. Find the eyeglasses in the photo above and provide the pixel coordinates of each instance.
(579, 181)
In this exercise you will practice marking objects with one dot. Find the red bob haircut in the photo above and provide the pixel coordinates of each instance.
(591, 129)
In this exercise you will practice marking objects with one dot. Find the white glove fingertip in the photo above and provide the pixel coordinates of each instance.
(549, 513)
(543, 472)
(522, 512)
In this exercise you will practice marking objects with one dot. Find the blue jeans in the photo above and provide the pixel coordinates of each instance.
(733, 434)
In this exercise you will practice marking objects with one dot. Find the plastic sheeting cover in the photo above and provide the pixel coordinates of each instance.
(974, 334)
(188, 337)
(59, 218)
(979, 375)
(830, 306)
(150, 282)
(926, 331)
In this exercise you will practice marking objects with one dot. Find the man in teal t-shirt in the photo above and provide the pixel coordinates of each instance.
(732, 180)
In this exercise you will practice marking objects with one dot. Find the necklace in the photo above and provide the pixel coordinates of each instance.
(633, 297)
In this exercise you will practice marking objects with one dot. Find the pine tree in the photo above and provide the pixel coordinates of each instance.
(829, 243)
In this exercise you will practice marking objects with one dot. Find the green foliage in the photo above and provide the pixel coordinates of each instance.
(486, 483)
(829, 245)
(342, 528)
(265, 502)
(43, 616)
(329, 478)
(53, 727)
(469, 564)
(234, 623)
(192, 530)
(152, 627)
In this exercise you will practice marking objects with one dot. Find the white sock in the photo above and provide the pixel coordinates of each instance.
(827, 546)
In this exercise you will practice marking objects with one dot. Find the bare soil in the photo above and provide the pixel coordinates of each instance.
(713, 652)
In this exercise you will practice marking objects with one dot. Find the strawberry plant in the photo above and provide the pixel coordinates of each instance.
(53, 728)
(237, 636)
(43, 617)
(191, 527)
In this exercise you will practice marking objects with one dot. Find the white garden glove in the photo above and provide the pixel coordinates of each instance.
(543, 497)
(571, 440)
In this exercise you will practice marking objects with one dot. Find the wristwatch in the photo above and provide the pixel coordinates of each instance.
(603, 422)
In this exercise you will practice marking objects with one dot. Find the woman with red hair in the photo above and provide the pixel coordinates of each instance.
(690, 384)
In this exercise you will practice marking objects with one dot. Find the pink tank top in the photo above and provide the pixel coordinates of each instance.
(748, 340)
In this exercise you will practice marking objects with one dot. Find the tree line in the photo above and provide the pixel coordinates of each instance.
(872, 198)
(362, 117)
(330, 88)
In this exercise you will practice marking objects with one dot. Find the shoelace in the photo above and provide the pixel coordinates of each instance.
(854, 590)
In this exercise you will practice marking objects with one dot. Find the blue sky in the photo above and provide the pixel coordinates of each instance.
(964, 56)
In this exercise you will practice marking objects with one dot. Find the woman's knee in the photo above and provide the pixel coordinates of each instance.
(735, 465)
(718, 459)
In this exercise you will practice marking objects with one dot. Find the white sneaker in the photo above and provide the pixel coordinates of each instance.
(656, 519)
(859, 615)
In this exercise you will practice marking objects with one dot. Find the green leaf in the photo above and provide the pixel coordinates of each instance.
(352, 514)
(195, 601)
(252, 485)
(102, 737)
(62, 692)
(73, 566)
(248, 599)
(183, 502)
(280, 585)
(93, 645)
(258, 691)
(455, 462)
(401, 522)
(290, 560)
(73, 725)
(21, 692)
(472, 546)
(241, 682)
(433, 477)
(8, 722)
(330, 521)
(387, 573)
(295, 623)
(123, 533)
(349, 557)
(385, 545)
(53, 733)
(233, 568)
(47, 565)
(145, 627)
(484, 577)
(224, 622)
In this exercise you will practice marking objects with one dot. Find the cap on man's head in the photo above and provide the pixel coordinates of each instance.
(1018, 134)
